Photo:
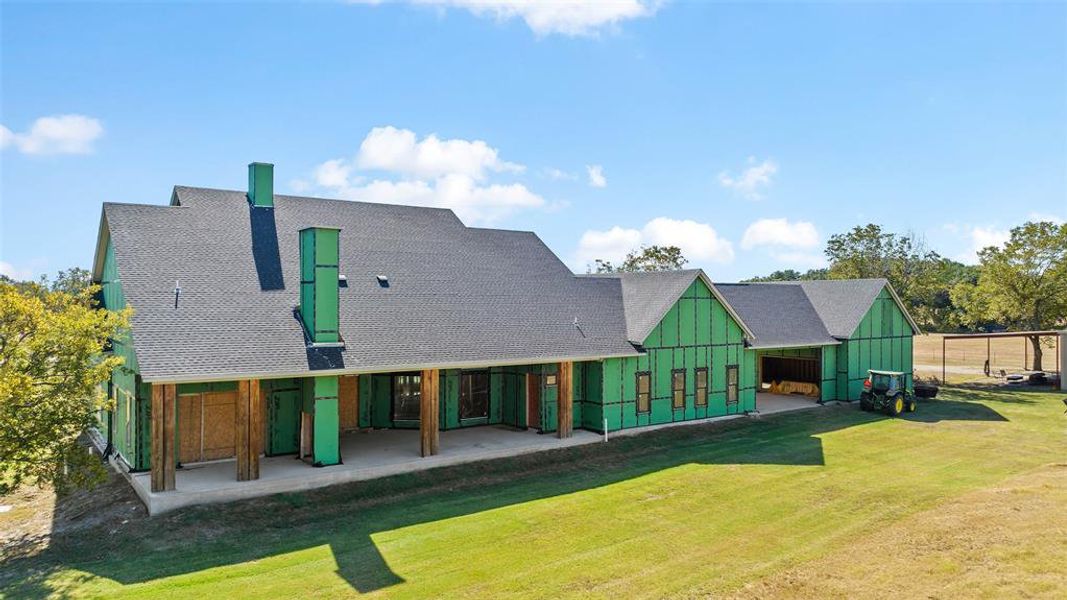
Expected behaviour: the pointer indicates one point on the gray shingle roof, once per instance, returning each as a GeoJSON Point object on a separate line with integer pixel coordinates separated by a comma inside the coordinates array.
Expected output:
{"type": "Point", "coordinates": [779, 315]}
{"type": "Point", "coordinates": [841, 303]}
{"type": "Point", "coordinates": [647, 296]}
{"type": "Point", "coordinates": [805, 313]}
{"type": "Point", "coordinates": [457, 295]}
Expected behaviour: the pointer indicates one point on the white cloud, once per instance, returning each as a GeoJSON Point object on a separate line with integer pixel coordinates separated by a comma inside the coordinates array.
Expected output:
{"type": "Point", "coordinates": [752, 179]}
{"type": "Point", "coordinates": [559, 174]}
{"type": "Point", "coordinates": [780, 232]}
{"type": "Point", "coordinates": [596, 176]}
{"type": "Point", "coordinates": [399, 151]}
{"type": "Point", "coordinates": [544, 17]}
{"type": "Point", "coordinates": [60, 134]}
{"type": "Point", "coordinates": [10, 270]}
{"type": "Point", "coordinates": [332, 173]}
{"type": "Point", "coordinates": [699, 242]}
{"type": "Point", "coordinates": [983, 237]}
{"type": "Point", "coordinates": [972, 238]}
{"type": "Point", "coordinates": [451, 173]}
{"type": "Point", "coordinates": [611, 245]}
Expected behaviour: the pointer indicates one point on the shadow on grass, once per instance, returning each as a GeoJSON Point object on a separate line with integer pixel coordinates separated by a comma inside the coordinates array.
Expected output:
{"type": "Point", "coordinates": [344, 518]}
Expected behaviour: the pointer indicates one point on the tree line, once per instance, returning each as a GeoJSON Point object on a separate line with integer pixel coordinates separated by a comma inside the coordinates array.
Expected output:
{"type": "Point", "coordinates": [1021, 286]}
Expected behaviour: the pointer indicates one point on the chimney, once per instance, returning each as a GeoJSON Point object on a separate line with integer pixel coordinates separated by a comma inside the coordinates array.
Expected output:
{"type": "Point", "coordinates": [319, 288]}
{"type": "Point", "coordinates": [261, 184]}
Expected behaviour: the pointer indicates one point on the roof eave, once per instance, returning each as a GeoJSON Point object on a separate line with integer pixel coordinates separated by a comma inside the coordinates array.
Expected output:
{"type": "Point", "coordinates": [210, 377]}
{"type": "Point", "coordinates": [801, 345]}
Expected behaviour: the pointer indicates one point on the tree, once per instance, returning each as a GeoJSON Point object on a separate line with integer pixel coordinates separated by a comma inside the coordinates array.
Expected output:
{"type": "Point", "coordinates": [648, 258]}
{"type": "Point", "coordinates": [869, 252]}
{"type": "Point", "coordinates": [51, 366]}
{"type": "Point", "coordinates": [72, 280]}
{"type": "Point", "coordinates": [1022, 285]}
{"type": "Point", "coordinates": [792, 275]}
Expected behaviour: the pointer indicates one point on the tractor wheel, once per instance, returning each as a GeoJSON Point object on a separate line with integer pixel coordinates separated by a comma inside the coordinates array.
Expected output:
{"type": "Point", "coordinates": [894, 406]}
{"type": "Point", "coordinates": [912, 405]}
{"type": "Point", "coordinates": [865, 402]}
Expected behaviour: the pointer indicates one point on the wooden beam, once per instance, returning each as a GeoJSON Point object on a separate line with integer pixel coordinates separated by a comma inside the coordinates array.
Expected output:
{"type": "Point", "coordinates": [565, 394]}
{"type": "Point", "coordinates": [162, 430]}
{"type": "Point", "coordinates": [156, 433]}
{"type": "Point", "coordinates": [430, 437]}
{"type": "Point", "coordinates": [241, 430]}
{"type": "Point", "coordinates": [255, 427]}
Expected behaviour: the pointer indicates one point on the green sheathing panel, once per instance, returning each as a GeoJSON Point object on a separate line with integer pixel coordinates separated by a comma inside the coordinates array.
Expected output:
{"type": "Point", "coordinates": [549, 397]}
{"type": "Point", "coordinates": [128, 431]}
{"type": "Point", "coordinates": [283, 397]}
{"type": "Point", "coordinates": [593, 390]}
{"type": "Point", "coordinates": [320, 399]}
{"type": "Point", "coordinates": [696, 332]}
{"type": "Point", "coordinates": [261, 184]}
{"type": "Point", "coordinates": [883, 340]}
{"type": "Point", "coordinates": [319, 287]}
{"type": "Point", "coordinates": [828, 384]}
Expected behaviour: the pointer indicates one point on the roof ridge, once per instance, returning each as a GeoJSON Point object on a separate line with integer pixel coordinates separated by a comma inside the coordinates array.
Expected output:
{"type": "Point", "coordinates": [318, 198]}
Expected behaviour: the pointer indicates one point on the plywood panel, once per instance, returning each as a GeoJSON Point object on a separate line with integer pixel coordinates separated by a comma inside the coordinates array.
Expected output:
{"type": "Point", "coordinates": [220, 418]}
{"type": "Point", "coordinates": [189, 428]}
{"type": "Point", "coordinates": [349, 402]}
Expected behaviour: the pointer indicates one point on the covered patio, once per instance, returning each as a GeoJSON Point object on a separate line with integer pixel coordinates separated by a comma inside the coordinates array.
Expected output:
{"type": "Point", "coordinates": [364, 455]}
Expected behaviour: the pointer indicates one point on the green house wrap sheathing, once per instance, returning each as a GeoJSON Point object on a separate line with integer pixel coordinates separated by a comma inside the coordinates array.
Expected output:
{"type": "Point", "coordinates": [882, 340]}
{"type": "Point", "coordinates": [697, 332]}
{"type": "Point", "coordinates": [321, 401]}
{"type": "Point", "coordinates": [284, 399]}
{"type": "Point", "coordinates": [126, 427]}
{"type": "Point", "coordinates": [319, 285]}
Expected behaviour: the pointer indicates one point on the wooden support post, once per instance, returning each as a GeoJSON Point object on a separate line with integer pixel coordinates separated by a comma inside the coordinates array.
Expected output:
{"type": "Point", "coordinates": [565, 394]}
{"type": "Point", "coordinates": [430, 437]}
{"type": "Point", "coordinates": [255, 427]}
{"type": "Point", "coordinates": [249, 429]}
{"type": "Point", "coordinates": [162, 430]}
{"type": "Point", "coordinates": [943, 346]}
{"type": "Point", "coordinates": [241, 430]}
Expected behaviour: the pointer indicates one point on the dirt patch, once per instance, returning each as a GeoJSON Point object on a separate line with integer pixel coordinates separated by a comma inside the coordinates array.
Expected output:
{"type": "Point", "coordinates": [1009, 541]}
{"type": "Point", "coordinates": [36, 514]}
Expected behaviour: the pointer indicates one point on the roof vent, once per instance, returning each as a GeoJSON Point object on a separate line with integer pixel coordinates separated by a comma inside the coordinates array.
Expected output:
{"type": "Point", "coordinates": [383, 281]}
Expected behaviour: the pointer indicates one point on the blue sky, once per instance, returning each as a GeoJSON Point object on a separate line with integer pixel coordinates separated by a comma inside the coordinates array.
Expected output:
{"type": "Point", "coordinates": [746, 134]}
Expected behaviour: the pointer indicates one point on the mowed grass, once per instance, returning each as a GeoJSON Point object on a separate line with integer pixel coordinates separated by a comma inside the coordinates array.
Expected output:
{"type": "Point", "coordinates": [827, 502]}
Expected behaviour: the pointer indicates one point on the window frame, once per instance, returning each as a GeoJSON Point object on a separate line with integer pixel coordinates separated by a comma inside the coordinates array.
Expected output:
{"type": "Point", "coordinates": [674, 390]}
{"type": "Point", "coordinates": [465, 378]}
{"type": "Point", "coordinates": [647, 393]}
{"type": "Point", "coordinates": [734, 387]}
{"type": "Point", "coordinates": [395, 383]}
{"type": "Point", "coordinates": [700, 392]}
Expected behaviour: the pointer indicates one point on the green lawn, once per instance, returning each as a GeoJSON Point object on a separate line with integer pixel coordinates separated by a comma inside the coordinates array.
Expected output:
{"type": "Point", "coordinates": [688, 511]}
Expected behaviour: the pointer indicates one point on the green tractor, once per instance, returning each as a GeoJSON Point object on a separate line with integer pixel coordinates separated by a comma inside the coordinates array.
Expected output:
{"type": "Point", "coordinates": [885, 391]}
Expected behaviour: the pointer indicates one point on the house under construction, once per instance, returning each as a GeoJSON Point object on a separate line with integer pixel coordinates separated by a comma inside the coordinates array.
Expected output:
{"type": "Point", "coordinates": [271, 326]}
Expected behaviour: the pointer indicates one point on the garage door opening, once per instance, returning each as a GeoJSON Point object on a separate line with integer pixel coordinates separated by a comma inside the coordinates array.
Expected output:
{"type": "Point", "coordinates": [787, 382]}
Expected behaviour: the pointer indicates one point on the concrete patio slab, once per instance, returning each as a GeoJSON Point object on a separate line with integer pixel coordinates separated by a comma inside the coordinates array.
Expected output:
{"type": "Point", "coordinates": [381, 453]}
{"type": "Point", "coordinates": [365, 455]}
{"type": "Point", "coordinates": [767, 404]}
